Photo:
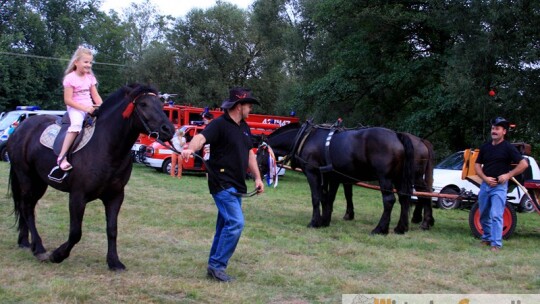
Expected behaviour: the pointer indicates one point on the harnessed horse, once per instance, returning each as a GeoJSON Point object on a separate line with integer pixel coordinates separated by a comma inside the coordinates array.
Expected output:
{"type": "Point", "coordinates": [101, 169]}
{"type": "Point", "coordinates": [286, 139]}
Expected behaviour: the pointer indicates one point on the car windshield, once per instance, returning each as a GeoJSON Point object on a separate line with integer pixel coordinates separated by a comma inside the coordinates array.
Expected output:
{"type": "Point", "coordinates": [452, 162]}
{"type": "Point", "coordinates": [8, 119]}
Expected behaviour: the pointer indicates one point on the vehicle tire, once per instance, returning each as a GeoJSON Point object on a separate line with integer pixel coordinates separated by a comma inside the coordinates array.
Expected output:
{"type": "Point", "coordinates": [526, 205]}
{"type": "Point", "coordinates": [166, 166]}
{"type": "Point", "coordinates": [4, 154]}
{"type": "Point", "coordinates": [447, 203]}
{"type": "Point", "coordinates": [509, 221]}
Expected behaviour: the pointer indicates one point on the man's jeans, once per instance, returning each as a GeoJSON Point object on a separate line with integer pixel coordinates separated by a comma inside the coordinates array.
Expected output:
{"type": "Point", "coordinates": [492, 201]}
{"type": "Point", "coordinates": [229, 226]}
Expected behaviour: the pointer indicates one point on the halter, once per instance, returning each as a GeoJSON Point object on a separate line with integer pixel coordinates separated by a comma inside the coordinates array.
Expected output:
{"type": "Point", "coordinates": [273, 169]}
{"type": "Point", "coordinates": [131, 107]}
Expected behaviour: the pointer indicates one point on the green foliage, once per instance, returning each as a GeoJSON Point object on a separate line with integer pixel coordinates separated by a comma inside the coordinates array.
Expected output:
{"type": "Point", "coordinates": [425, 67]}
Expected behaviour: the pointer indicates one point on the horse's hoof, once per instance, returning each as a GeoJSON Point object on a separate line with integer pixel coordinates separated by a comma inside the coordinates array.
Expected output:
{"type": "Point", "coordinates": [400, 230]}
{"type": "Point", "coordinates": [44, 257]}
{"type": "Point", "coordinates": [348, 217]}
{"type": "Point", "coordinates": [416, 220]}
{"type": "Point", "coordinates": [24, 246]}
{"type": "Point", "coordinates": [117, 266]}
{"type": "Point", "coordinates": [118, 269]}
{"type": "Point", "coordinates": [378, 231]}
{"type": "Point", "coordinates": [424, 226]}
{"type": "Point", "coordinates": [313, 225]}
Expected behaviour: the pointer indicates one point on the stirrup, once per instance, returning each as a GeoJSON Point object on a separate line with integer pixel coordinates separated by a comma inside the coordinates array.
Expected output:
{"type": "Point", "coordinates": [56, 179]}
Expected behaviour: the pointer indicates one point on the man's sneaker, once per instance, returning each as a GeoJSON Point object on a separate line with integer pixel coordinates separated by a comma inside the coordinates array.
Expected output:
{"type": "Point", "coordinates": [495, 249]}
{"type": "Point", "coordinates": [485, 243]}
{"type": "Point", "coordinates": [218, 275]}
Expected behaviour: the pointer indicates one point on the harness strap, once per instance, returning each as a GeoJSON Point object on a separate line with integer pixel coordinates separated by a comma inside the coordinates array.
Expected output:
{"type": "Point", "coordinates": [327, 157]}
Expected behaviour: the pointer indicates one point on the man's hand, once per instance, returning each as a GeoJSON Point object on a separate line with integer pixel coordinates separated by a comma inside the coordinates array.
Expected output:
{"type": "Point", "coordinates": [491, 181]}
{"type": "Point", "coordinates": [259, 185]}
{"type": "Point", "coordinates": [186, 154]}
{"type": "Point", "coordinates": [503, 178]}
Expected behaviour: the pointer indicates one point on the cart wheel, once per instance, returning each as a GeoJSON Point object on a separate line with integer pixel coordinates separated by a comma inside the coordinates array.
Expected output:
{"type": "Point", "coordinates": [448, 203]}
{"type": "Point", "coordinates": [526, 204]}
{"type": "Point", "coordinates": [509, 221]}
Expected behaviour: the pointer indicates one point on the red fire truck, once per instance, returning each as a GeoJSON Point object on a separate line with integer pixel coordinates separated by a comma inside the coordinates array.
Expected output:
{"type": "Point", "coordinates": [189, 118]}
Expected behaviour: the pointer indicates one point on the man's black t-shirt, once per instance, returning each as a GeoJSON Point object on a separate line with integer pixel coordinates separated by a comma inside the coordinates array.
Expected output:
{"type": "Point", "coordinates": [229, 157]}
{"type": "Point", "coordinates": [497, 159]}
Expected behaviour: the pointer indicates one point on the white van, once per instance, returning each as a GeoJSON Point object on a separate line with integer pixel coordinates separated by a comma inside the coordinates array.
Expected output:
{"type": "Point", "coordinates": [10, 120]}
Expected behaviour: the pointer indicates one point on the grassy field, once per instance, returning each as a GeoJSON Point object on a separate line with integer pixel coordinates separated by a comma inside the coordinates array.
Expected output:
{"type": "Point", "coordinates": [166, 226]}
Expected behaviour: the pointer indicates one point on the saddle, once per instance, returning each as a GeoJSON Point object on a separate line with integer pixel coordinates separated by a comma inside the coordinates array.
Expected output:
{"type": "Point", "coordinates": [53, 138]}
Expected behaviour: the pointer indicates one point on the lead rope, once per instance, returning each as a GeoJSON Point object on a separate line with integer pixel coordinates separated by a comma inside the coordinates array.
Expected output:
{"type": "Point", "coordinates": [209, 170]}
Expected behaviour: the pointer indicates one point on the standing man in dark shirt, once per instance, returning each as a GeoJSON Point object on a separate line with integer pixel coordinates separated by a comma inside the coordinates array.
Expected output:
{"type": "Point", "coordinates": [493, 165]}
{"type": "Point", "coordinates": [230, 139]}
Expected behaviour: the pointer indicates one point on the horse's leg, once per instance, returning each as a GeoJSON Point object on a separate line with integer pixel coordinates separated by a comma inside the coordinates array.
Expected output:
{"type": "Point", "coordinates": [77, 207]}
{"type": "Point", "coordinates": [112, 208]}
{"type": "Point", "coordinates": [316, 194]}
{"type": "Point", "coordinates": [403, 223]}
{"type": "Point", "coordinates": [417, 213]}
{"type": "Point", "coordinates": [428, 221]}
{"type": "Point", "coordinates": [423, 204]}
{"type": "Point", "coordinates": [328, 202]}
{"type": "Point", "coordinates": [349, 214]}
{"type": "Point", "coordinates": [388, 203]}
{"type": "Point", "coordinates": [26, 193]}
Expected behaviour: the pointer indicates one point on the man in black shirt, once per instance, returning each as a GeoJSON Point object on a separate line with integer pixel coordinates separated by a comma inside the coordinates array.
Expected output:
{"type": "Point", "coordinates": [493, 165]}
{"type": "Point", "coordinates": [230, 139]}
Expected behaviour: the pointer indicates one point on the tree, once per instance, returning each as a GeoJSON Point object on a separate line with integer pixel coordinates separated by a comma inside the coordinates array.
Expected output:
{"type": "Point", "coordinates": [216, 50]}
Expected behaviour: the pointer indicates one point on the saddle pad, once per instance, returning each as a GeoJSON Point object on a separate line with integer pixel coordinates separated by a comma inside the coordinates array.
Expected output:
{"type": "Point", "coordinates": [49, 135]}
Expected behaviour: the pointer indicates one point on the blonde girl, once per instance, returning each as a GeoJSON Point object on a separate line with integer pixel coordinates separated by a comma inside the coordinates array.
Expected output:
{"type": "Point", "coordinates": [178, 143]}
{"type": "Point", "coordinates": [80, 96]}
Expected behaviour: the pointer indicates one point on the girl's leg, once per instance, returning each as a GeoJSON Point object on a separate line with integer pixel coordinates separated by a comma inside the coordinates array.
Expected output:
{"type": "Point", "coordinates": [180, 160]}
{"type": "Point", "coordinates": [68, 141]}
{"type": "Point", "coordinates": [174, 162]}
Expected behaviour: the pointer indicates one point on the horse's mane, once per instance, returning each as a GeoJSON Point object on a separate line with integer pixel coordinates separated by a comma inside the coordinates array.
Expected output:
{"type": "Point", "coordinates": [285, 128]}
{"type": "Point", "coordinates": [124, 95]}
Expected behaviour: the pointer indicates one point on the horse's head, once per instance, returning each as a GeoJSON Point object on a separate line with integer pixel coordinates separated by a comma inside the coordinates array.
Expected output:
{"type": "Point", "coordinates": [146, 106]}
{"type": "Point", "coordinates": [263, 154]}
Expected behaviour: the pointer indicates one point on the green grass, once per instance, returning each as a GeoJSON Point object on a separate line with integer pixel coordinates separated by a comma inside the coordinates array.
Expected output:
{"type": "Point", "coordinates": [166, 226]}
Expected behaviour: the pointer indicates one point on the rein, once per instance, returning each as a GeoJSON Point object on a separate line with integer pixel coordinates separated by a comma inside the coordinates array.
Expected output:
{"type": "Point", "coordinates": [209, 170]}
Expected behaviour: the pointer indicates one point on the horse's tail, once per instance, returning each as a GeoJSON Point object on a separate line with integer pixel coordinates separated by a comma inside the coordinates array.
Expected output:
{"type": "Point", "coordinates": [428, 174]}
{"type": "Point", "coordinates": [409, 166]}
{"type": "Point", "coordinates": [15, 187]}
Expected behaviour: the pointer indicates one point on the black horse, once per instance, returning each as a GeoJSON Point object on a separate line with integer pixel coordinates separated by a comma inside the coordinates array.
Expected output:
{"type": "Point", "coordinates": [101, 169]}
{"type": "Point", "coordinates": [281, 142]}
{"type": "Point", "coordinates": [329, 157]}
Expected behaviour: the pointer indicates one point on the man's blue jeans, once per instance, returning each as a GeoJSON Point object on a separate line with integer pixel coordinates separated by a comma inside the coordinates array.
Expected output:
{"type": "Point", "coordinates": [229, 226]}
{"type": "Point", "coordinates": [492, 201]}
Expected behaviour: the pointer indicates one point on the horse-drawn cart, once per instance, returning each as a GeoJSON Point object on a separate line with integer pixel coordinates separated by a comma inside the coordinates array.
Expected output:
{"type": "Point", "coordinates": [530, 187]}
{"type": "Point", "coordinates": [291, 139]}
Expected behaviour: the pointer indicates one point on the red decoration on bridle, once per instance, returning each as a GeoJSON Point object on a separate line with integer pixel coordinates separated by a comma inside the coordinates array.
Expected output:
{"type": "Point", "coordinates": [129, 109]}
{"type": "Point", "coordinates": [131, 106]}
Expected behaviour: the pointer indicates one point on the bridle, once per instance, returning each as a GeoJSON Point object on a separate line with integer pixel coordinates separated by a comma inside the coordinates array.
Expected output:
{"type": "Point", "coordinates": [151, 134]}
